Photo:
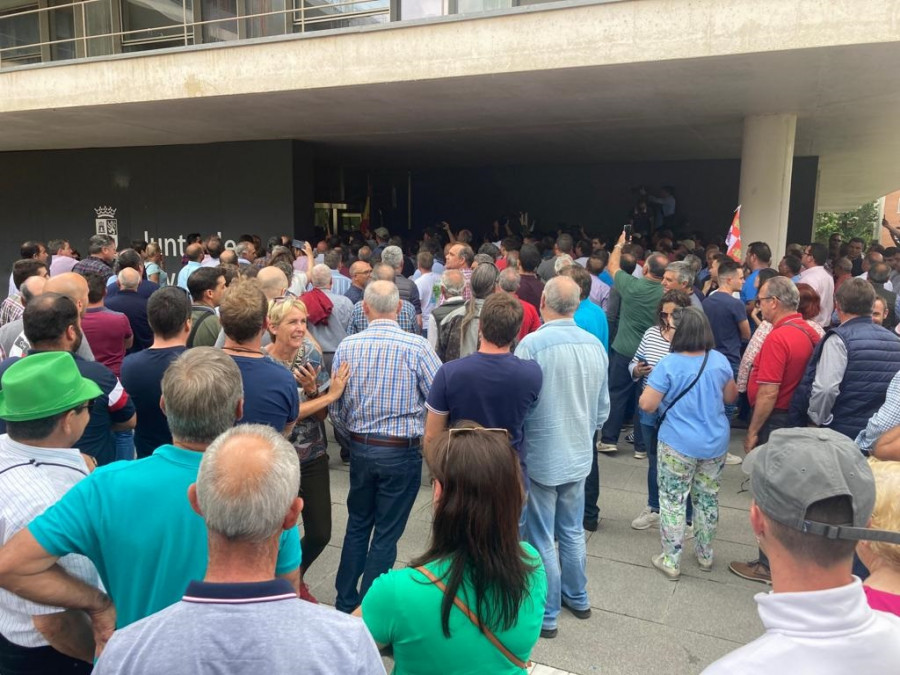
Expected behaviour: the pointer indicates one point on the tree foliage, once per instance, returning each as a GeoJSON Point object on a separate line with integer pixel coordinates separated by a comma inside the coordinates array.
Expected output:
{"type": "Point", "coordinates": [862, 222]}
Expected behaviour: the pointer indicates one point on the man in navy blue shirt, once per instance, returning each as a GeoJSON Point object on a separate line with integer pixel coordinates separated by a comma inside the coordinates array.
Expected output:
{"type": "Point", "coordinates": [168, 312]}
{"type": "Point", "coordinates": [492, 386]}
{"type": "Point", "coordinates": [727, 315]}
{"type": "Point", "coordinates": [270, 391]}
{"type": "Point", "coordinates": [52, 324]}
{"type": "Point", "coordinates": [133, 305]}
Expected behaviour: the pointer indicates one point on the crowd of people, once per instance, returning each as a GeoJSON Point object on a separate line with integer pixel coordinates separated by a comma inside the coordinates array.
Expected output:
{"type": "Point", "coordinates": [165, 475]}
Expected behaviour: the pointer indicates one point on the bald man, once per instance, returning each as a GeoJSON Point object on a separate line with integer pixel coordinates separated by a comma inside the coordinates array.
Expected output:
{"type": "Point", "coordinates": [132, 304]}
{"type": "Point", "coordinates": [273, 282]}
{"type": "Point", "coordinates": [73, 286]}
{"type": "Point", "coordinates": [194, 255]}
{"type": "Point", "coordinates": [238, 466]}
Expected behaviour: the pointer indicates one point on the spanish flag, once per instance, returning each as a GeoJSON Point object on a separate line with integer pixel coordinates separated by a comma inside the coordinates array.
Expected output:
{"type": "Point", "coordinates": [733, 240]}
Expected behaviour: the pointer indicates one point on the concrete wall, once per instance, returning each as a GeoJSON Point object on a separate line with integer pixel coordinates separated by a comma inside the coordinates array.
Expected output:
{"type": "Point", "coordinates": [161, 193]}
{"type": "Point", "coordinates": [597, 196]}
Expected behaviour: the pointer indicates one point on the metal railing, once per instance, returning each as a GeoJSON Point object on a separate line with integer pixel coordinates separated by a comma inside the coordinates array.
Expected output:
{"type": "Point", "coordinates": [101, 27]}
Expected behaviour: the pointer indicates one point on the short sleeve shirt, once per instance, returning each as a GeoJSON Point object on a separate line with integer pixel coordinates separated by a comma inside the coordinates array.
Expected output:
{"type": "Point", "coordinates": [404, 610]}
{"type": "Point", "coordinates": [782, 359]}
{"type": "Point", "coordinates": [749, 290]}
{"type": "Point", "coordinates": [696, 425]}
{"type": "Point", "coordinates": [134, 522]}
{"type": "Point", "coordinates": [640, 298]}
{"type": "Point", "coordinates": [725, 314]}
{"type": "Point", "coordinates": [495, 390]}
{"type": "Point", "coordinates": [270, 393]}
{"type": "Point", "coordinates": [106, 332]}
{"type": "Point", "coordinates": [142, 375]}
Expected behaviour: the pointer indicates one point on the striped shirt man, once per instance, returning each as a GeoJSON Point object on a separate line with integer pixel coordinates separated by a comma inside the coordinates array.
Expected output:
{"type": "Point", "coordinates": [31, 479]}
{"type": "Point", "coordinates": [392, 375]}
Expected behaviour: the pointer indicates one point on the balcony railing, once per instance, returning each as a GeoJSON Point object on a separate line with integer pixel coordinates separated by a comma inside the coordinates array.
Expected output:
{"type": "Point", "coordinates": [38, 34]}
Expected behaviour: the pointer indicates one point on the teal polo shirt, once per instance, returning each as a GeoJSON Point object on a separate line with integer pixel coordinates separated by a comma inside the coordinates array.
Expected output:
{"type": "Point", "coordinates": [134, 522]}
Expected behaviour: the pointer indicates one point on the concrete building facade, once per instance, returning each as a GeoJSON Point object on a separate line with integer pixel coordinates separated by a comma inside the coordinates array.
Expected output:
{"type": "Point", "coordinates": [240, 115]}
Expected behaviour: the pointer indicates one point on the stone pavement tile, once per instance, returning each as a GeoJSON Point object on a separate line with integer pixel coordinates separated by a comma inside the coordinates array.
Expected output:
{"type": "Point", "coordinates": [613, 473]}
{"type": "Point", "coordinates": [415, 539]}
{"type": "Point", "coordinates": [324, 568]}
{"type": "Point", "coordinates": [613, 644]}
{"type": "Point", "coordinates": [718, 610]}
{"type": "Point", "coordinates": [340, 485]}
{"type": "Point", "coordinates": [734, 526]}
{"type": "Point", "coordinates": [540, 669]}
{"type": "Point", "coordinates": [627, 589]}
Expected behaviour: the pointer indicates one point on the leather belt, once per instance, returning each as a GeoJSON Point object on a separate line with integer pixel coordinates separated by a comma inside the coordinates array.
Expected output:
{"type": "Point", "coordinates": [385, 441]}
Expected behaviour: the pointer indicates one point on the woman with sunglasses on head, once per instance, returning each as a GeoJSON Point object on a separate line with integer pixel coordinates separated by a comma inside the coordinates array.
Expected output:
{"type": "Point", "coordinates": [654, 345]}
{"type": "Point", "coordinates": [474, 601]}
{"type": "Point", "coordinates": [689, 388]}
{"type": "Point", "coordinates": [294, 349]}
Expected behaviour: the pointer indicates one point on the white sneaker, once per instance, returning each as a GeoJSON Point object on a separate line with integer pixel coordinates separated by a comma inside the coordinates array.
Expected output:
{"type": "Point", "coordinates": [731, 460]}
{"type": "Point", "coordinates": [606, 447]}
{"type": "Point", "coordinates": [640, 455]}
{"type": "Point", "coordinates": [646, 520]}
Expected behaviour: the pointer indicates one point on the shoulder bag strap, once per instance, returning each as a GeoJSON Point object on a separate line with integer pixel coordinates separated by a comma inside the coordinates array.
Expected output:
{"type": "Point", "coordinates": [689, 387]}
{"type": "Point", "coordinates": [515, 660]}
{"type": "Point", "coordinates": [802, 330]}
{"type": "Point", "coordinates": [196, 327]}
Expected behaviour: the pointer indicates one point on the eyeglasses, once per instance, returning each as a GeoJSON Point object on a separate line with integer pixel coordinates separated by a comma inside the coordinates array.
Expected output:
{"type": "Point", "coordinates": [767, 297]}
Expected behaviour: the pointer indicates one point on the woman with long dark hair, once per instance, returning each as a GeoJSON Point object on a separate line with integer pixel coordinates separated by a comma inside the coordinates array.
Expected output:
{"type": "Point", "coordinates": [474, 601]}
{"type": "Point", "coordinates": [690, 388]}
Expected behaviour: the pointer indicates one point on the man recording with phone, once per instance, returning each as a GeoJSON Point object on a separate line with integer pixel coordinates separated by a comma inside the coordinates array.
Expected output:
{"type": "Point", "coordinates": [640, 298]}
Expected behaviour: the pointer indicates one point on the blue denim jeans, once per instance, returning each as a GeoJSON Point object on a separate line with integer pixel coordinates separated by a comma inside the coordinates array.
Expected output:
{"type": "Point", "coordinates": [124, 444]}
{"type": "Point", "coordinates": [384, 483]}
{"type": "Point", "coordinates": [622, 389]}
{"type": "Point", "coordinates": [556, 512]}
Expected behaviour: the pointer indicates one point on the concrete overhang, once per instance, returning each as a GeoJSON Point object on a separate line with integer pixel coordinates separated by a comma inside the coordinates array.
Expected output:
{"type": "Point", "coordinates": [623, 81]}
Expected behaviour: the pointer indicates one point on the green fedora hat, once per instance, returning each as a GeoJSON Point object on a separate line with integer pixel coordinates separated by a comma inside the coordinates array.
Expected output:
{"type": "Point", "coordinates": [43, 385]}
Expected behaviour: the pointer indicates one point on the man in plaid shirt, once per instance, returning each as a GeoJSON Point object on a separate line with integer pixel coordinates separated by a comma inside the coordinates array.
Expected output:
{"type": "Point", "coordinates": [382, 416]}
{"type": "Point", "coordinates": [102, 250]}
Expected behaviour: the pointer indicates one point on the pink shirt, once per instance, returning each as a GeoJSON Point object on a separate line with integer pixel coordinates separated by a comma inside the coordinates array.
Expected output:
{"type": "Point", "coordinates": [883, 601]}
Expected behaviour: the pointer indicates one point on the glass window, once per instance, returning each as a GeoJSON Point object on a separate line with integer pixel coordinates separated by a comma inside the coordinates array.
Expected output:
{"type": "Point", "coordinates": [62, 32]}
{"type": "Point", "coordinates": [19, 35]}
{"type": "Point", "coordinates": [421, 9]}
{"type": "Point", "coordinates": [222, 12]}
{"type": "Point", "coordinates": [155, 20]}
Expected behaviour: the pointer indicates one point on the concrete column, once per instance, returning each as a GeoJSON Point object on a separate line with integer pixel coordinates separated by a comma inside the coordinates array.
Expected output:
{"type": "Point", "coordinates": [767, 159]}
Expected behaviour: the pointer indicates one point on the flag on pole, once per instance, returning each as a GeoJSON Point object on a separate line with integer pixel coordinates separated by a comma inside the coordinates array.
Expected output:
{"type": "Point", "coordinates": [733, 240]}
{"type": "Point", "coordinates": [364, 223]}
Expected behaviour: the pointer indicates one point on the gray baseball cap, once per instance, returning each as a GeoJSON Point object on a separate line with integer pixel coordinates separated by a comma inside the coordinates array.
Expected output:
{"type": "Point", "coordinates": [799, 467]}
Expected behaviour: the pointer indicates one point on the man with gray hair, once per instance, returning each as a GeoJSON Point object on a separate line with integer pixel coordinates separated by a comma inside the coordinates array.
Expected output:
{"type": "Point", "coordinates": [102, 252]}
{"type": "Point", "coordinates": [565, 245]}
{"type": "Point", "coordinates": [133, 522]}
{"type": "Point", "coordinates": [680, 277]}
{"type": "Point", "coordinates": [329, 313]}
{"type": "Point", "coordinates": [558, 448]}
{"type": "Point", "coordinates": [453, 286]}
{"type": "Point", "coordinates": [246, 252]}
{"type": "Point", "coordinates": [133, 304]}
{"type": "Point", "coordinates": [246, 492]}
{"type": "Point", "coordinates": [774, 377]}
{"type": "Point", "coordinates": [381, 415]}
{"type": "Point", "coordinates": [509, 281]}
{"type": "Point", "coordinates": [393, 256]}
{"type": "Point", "coordinates": [406, 318]}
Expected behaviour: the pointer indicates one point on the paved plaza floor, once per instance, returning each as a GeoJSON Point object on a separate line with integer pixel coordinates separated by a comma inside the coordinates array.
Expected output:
{"type": "Point", "coordinates": [642, 622]}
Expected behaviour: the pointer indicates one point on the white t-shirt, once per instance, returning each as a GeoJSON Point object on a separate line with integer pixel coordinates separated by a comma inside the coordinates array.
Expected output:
{"type": "Point", "coordinates": [831, 632]}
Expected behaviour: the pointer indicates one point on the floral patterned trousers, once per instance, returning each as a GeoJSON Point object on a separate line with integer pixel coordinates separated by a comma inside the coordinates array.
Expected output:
{"type": "Point", "coordinates": [679, 476]}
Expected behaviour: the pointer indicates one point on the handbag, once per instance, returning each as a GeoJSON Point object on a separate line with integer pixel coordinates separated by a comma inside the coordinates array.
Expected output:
{"type": "Point", "coordinates": [662, 417]}
{"type": "Point", "coordinates": [515, 660]}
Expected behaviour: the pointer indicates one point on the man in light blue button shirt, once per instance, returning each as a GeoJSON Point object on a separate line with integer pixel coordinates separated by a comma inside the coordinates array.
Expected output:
{"type": "Point", "coordinates": [574, 402]}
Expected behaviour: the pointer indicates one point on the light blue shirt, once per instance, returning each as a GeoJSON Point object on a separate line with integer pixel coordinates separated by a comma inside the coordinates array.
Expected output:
{"type": "Point", "coordinates": [436, 268]}
{"type": "Point", "coordinates": [186, 272]}
{"type": "Point", "coordinates": [574, 401]}
{"type": "Point", "coordinates": [696, 425]}
{"type": "Point", "coordinates": [593, 319]}
{"type": "Point", "coordinates": [339, 283]}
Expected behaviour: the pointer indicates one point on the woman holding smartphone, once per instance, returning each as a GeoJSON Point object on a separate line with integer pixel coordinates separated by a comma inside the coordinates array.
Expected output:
{"type": "Point", "coordinates": [294, 349]}
{"type": "Point", "coordinates": [653, 347]}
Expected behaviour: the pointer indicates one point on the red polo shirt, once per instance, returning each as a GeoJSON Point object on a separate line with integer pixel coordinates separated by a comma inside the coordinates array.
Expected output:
{"type": "Point", "coordinates": [782, 359]}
